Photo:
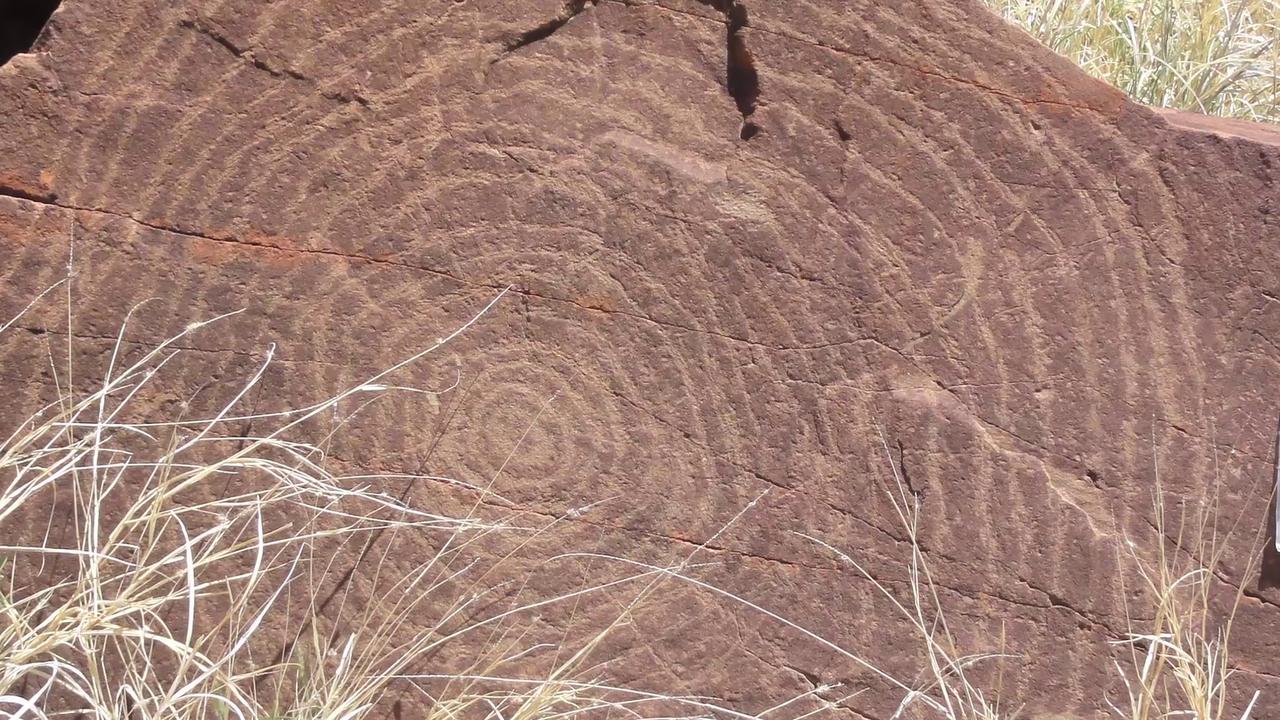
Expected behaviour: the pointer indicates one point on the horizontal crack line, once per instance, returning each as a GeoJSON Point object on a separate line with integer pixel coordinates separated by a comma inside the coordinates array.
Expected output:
{"type": "Point", "coordinates": [356, 257]}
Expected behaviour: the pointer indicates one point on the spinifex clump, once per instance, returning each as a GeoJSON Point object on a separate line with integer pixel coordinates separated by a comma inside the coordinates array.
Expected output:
{"type": "Point", "coordinates": [1220, 57]}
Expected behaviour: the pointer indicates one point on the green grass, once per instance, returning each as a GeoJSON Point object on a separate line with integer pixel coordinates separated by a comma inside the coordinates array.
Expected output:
{"type": "Point", "coordinates": [1219, 57]}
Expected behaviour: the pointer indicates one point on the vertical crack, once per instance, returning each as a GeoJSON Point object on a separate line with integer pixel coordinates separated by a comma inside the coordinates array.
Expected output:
{"type": "Point", "coordinates": [906, 475]}
{"type": "Point", "coordinates": [742, 80]}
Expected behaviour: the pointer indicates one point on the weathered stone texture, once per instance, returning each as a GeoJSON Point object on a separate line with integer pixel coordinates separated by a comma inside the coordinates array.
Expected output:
{"type": "Point", "coordinates": [937, 233]}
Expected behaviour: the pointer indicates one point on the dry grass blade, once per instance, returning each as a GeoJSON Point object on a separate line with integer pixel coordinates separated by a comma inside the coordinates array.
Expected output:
{"type": "Point", "coordinates": [1219, 57]}
{"type": "Point", "coordinates": [152, 603]}
{"type": "Point", "coordinates": [105, 620]}
{"type": "Point", "coordinates": [945, 689]}
{"type": "Point", "coordinates": [1179, 661]}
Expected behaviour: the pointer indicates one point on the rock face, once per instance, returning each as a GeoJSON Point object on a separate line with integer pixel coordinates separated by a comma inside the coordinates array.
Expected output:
{"type": "Point", "coordinates": [754, 246]}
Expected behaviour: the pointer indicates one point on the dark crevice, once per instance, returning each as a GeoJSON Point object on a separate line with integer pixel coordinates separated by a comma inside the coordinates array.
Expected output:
{"type": "Point", "coordinates": [1058, 601]}
{"type": "Point", "coordinates": [572, 9]}
{"type": "Point", "coordinates": [242, 53]}
{"type": "Point", "coordinates": [741, 77]}
{"type": "Point", "coordinates": [906, 476]}
{"type": "Point", "coordinates": [346, 96]}
{"type": "Point", "coordinates": [1269, 565]}
{"type": "Point", "coordinates": [809, 677]}
{"type": "Point", "coordinates": [25, 194]}
{"type": "Point", "coordinates": [842, 133]}
{"type": "Point", "coordinates": [247, 55]}
{"type": "Point", "coordinates": [21, 22]}
{"type": "Point", "coordinates": [742, 80]}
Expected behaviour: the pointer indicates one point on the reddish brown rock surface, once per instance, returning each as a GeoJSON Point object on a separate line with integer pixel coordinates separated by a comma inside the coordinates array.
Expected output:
{"type": "Point", "coordinates": [935, 230]}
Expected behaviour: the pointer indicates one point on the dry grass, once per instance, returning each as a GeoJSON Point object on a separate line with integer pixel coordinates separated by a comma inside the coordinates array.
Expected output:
{"type": "Point", "coordinates": [171, 588]}
{"type": "Point", "coordinates": [1178, 662]}
{"type": "Point", "coordinates": [1219, 57]}
{"type": "Point", "coordinates": [943, 687]}
{"type": "Point", "coordinates": [150, 606]}
{"type": "Point", "coordinates": [1178, 650]}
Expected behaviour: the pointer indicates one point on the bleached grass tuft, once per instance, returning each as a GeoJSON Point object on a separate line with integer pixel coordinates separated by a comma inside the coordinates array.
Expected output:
{"type": "Point", "coordinates": [1219, 57]}
{"type": "Point", "coordinates": [943, 688]}
{"type": "Point", "coordinates": [1179, 663]}
{"type": "Point", "coordinates": [190, 548]}
{"type": "Point", "coordinates": [150, 604]}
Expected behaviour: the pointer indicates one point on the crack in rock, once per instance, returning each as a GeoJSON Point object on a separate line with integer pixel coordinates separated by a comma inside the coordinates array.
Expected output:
{"type": "Point", "coordinates": [742, 80]}
{"type": "Point", "coordinates": [247, 55]}
{"type": "Point", "coordinates": [842, 133]}
{"type": "Point", "coordinates": [20, 193]}
{"type": "Point", "coordinates": [808, 676]}
{"type": "Point", "coordinates": [243, 53]}
{"type": "Point", "coordinates": [571, 9]}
